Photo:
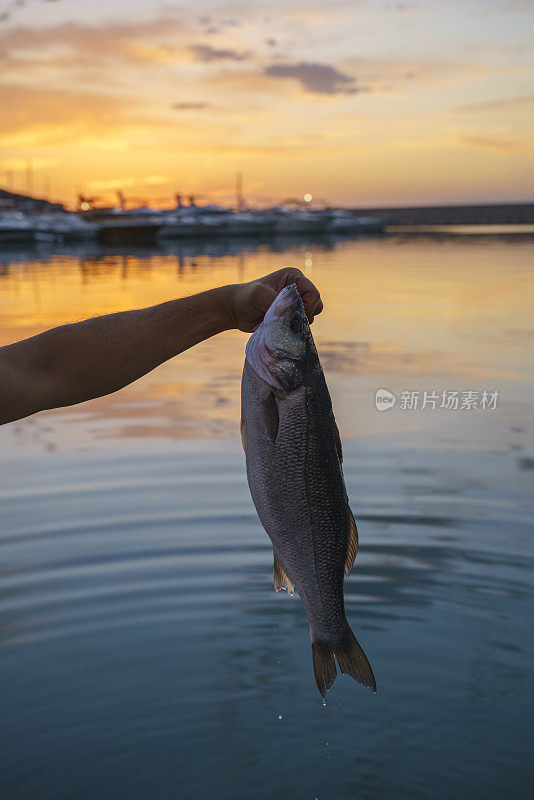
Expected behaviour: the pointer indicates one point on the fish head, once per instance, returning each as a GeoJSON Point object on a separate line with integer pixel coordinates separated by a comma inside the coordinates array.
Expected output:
{"type": "Point", "coordinates": [277, 349]}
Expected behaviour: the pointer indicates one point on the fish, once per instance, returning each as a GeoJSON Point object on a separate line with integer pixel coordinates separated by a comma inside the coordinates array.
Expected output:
{"type": "Point", "coordinates": [294, 470]}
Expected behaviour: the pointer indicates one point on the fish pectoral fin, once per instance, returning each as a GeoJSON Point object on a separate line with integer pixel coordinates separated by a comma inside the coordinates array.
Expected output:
{"type": "Point", "coordinates": [280, 579]}
{"type": "Point", "coordinates": [337, 437]}
{"type": "Point", "coordinates": [352, 544]}
{"type": "Point", "coordinates": [244, 434]}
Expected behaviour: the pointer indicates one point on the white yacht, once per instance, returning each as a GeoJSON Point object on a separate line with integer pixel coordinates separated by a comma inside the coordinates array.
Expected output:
{"type": "Point", "coordinates": [344, 221]}
{"type": "Point", "coordinates": [248, 223]}
{"type": "Point", "coordinates": [289, 221]}
{"type": "Point", "coordinates": [62, 226]}
{"type": "Point", "coordinates": [15, 228]}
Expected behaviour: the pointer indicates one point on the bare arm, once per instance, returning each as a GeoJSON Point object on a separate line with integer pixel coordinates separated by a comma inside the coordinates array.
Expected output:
{"type": "Point", "coordinates": [73, 363]}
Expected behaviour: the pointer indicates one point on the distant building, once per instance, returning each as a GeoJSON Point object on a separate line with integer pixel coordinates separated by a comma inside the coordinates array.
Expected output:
{"type": "Point", "coordinates": [24, 202]}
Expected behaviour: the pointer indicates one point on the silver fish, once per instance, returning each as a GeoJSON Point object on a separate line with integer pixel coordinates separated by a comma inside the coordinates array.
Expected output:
{"type": "Point", "coordinates": [293, 455]}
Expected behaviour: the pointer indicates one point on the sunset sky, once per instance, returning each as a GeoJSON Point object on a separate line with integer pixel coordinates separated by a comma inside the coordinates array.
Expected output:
{"type": "Point", "coordinates": [359, 103]}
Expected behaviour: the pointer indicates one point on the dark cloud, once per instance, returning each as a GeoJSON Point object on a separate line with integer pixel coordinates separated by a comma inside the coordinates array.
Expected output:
{"type": "Point", "coordinates": [212, 26]}
{"type": "Point", "coordinates": [204, 52]}
{"type": "Point", "coordinates": [7, 13]}
{"type": "Point", "coordinates": [190, 106]}
{"type": "Point", "coordinates": [319, 78]}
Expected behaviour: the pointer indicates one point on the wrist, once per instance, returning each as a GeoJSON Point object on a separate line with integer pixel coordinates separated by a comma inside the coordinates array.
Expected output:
{"type": "Point", "coordinates": [226, 305]}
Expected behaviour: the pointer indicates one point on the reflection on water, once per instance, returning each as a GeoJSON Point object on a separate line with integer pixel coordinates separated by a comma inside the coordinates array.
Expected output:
{"type": "Point", "coordinates": [143, 652]}
{"type": "Point", "coordinates": [406, 313]}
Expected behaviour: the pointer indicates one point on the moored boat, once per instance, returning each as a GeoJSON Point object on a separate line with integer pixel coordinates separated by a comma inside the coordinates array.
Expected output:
{"type": "Point", "coordinates": [61, 226]}
{"type": "Point", "coordinates": [15, 228]}
{"type": "Point", "coordinates": [344, 221]}
{"type": "Point", "coordinates": [126, 228]}
{"type": "Point", "coordinates": [289, 221]}
{"type": "Point", "coordinates": [249, 223]}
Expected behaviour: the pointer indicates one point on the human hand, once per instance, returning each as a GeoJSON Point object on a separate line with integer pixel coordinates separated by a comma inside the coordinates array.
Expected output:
{"type": "Point", "coordinates": [250, 301]}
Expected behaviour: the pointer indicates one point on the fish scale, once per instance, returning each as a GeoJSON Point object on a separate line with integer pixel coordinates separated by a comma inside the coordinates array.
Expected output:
{"type": "Point", "coordinates": [294, 470]}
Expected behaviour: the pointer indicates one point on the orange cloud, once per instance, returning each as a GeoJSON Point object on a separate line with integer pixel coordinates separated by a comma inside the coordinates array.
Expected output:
{"type": "Point", "coordinates": [54, 116]}
{"type": "Point", "coordinates": [500, 143]}
{"type": "Point", "coordinates": [524, 103]}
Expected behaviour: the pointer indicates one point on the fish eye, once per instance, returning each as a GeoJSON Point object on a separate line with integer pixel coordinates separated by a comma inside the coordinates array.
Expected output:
{"type": "Point", "coordinates": [296, 324]}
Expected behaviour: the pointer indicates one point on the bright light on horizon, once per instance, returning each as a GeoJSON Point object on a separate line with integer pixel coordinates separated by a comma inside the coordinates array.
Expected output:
{"type": "Point", "coordinates": [308, 198]}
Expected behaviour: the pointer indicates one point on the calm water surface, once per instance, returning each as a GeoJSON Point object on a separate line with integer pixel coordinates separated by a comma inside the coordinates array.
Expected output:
{"type": "Point", "coordinates": [143, 651]}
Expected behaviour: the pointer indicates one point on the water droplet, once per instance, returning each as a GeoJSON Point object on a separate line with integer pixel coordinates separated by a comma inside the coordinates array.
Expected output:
{"type": "Point", "coordinates": [324, 701]}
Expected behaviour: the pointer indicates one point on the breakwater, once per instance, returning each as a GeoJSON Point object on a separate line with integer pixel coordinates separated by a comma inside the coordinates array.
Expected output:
{"type": "Point", "coordinates": [491, 214]}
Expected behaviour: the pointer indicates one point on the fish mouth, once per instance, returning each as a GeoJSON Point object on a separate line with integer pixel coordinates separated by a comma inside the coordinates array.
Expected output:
{"type": "Point", "coordinates": [288, 300]}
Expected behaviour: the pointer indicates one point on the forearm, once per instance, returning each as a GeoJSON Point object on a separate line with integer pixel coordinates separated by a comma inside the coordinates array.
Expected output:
{"type": "Point", "coordinates": [89, 359]}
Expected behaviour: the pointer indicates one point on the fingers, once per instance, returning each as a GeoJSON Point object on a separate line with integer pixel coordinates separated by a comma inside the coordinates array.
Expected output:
{"type": "Point", "coordinates": [311, 298]}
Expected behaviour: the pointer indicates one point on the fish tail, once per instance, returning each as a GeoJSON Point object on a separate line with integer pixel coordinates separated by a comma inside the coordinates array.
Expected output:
{"type": "Point", "coordinates": [324, 666]}
{"type": "Point", "coordinates": [350, 658]}
{"type": "Point", "coordinates": [353, 661]}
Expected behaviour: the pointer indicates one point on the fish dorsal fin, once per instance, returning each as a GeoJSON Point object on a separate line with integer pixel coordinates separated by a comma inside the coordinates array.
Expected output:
{"type": "Point", "coordinates": [244, 434]}
{"type": "Point", "coordinates": [280, 579]}
{"type": "Point", "coordinates": [338, 441]}
{"type": "Point", "coordinates": [352, 545]}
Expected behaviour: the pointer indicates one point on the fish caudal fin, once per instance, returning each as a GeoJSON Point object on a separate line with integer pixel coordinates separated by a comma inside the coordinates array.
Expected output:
{"type": "Point", "coordinates": [350, 658]}
{"type": "Point", "coordinates": [353, 661]}
{"type": "Point", "coordinates": [324, 666]}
